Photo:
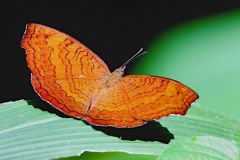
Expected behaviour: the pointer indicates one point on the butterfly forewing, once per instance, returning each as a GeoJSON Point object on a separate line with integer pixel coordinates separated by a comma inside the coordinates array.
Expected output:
{"type": "Point", "coordinates": [51, 53]}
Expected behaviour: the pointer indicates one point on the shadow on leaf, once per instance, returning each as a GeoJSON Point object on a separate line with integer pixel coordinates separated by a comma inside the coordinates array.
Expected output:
{"type": "Point", "coordinates": [152, 131]}
{"type": "Point", "coordinates": [44, 106]}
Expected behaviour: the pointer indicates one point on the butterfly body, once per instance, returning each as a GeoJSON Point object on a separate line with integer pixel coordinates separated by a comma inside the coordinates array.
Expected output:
{"type": "Point", "coordinates": [106, 85]}
{"type": "Point", "coordinates": [74, 80]}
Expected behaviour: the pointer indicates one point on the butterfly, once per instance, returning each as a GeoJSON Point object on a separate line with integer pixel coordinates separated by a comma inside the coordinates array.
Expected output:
{"type": "Point", "coordinates": [74, 80]}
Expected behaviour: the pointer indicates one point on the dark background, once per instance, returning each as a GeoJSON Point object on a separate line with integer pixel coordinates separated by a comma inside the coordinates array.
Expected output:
{"type": "Point", "coordinates": [112, 29]}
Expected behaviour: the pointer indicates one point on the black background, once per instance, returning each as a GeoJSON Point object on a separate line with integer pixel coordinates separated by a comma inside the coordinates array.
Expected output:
{"type": "Point", "coordinates": [112, 29]}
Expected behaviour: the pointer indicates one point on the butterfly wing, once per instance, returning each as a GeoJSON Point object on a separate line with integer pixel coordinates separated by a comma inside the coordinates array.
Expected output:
{"type": "Point", "coordinates": [111, 107]}
{"type": "Point", "coordinates": [64, 72]}
{"type": "Point", "coordinates": [137, 99]}
{"type": "Point", "coordinates": [155, 97]}
{"type": "Point", "coordinates": [53, 54]}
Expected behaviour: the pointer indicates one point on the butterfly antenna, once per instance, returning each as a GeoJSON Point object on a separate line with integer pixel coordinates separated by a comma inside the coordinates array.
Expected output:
{"type": "Point", "coordinates": [135, 56]}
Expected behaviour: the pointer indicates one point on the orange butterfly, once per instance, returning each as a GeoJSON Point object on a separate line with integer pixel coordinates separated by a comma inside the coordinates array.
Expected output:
{"type": "Point", "coordinates": [74, 80]}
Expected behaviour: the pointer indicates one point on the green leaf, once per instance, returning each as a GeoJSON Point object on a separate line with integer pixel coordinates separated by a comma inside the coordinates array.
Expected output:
{"type": "Point", "coordinates": [201, 121]}
{"type": "Point", "coordinates": [202, 147]}
{"type": "Point", "coordinates": [202, 134]}
{"type": "Point", "coordinates": [30, 133]}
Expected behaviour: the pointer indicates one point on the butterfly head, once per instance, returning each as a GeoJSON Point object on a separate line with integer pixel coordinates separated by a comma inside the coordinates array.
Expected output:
{"type": "Point", "coordinates": [119, 71]}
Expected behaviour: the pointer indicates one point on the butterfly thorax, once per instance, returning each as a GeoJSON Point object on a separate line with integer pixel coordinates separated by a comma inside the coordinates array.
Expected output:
{"type": "Point", "coordinates": [113, 78]}
{"type": "Point", "coordinates": [108, 84]}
